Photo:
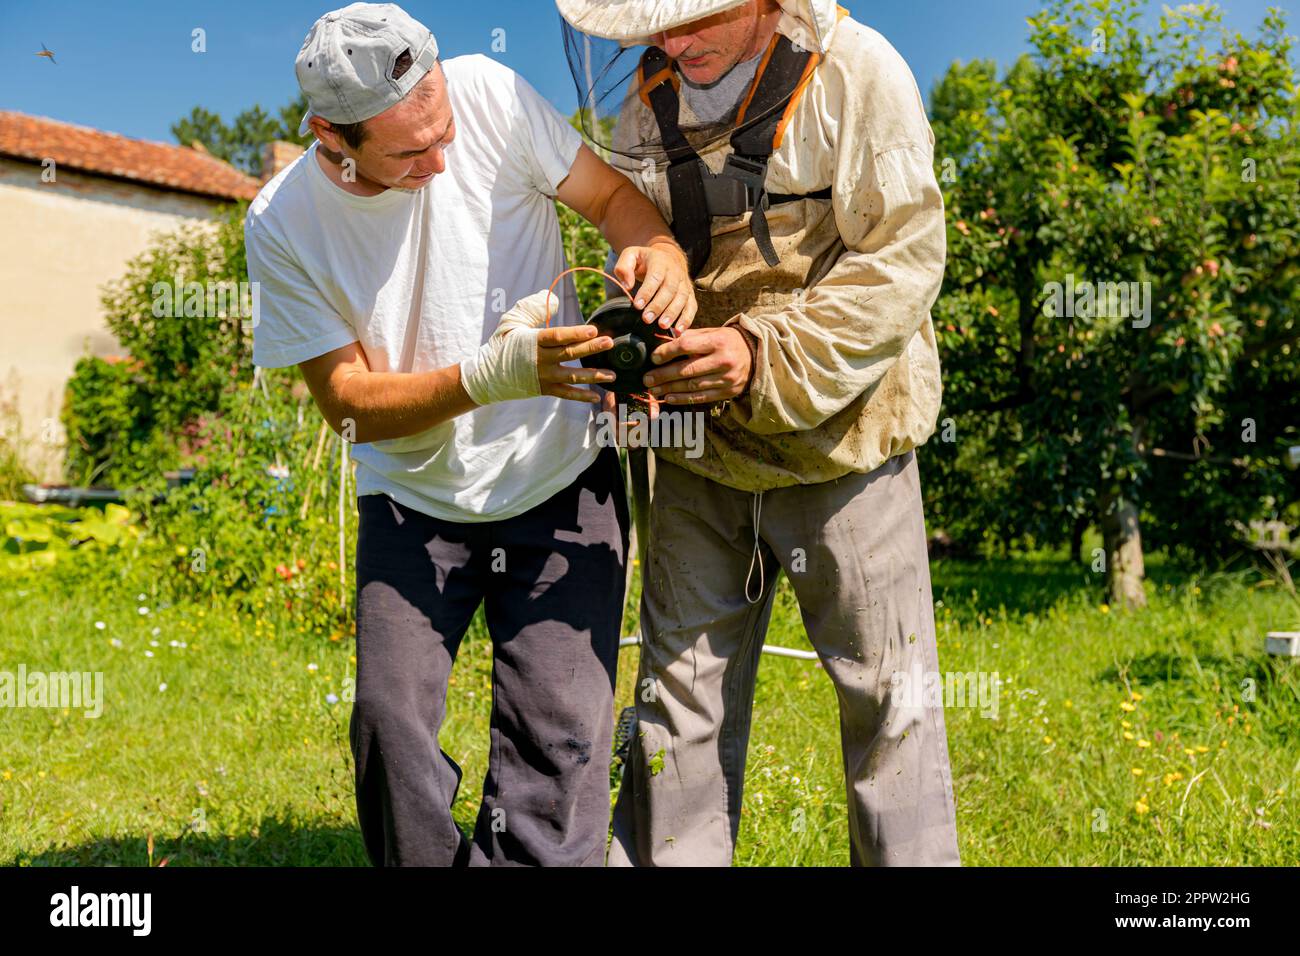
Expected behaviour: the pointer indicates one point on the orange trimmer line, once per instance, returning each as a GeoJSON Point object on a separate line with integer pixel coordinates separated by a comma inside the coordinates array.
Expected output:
{"type": "Point", "coordinates": [653, 402]}
{"type": "Point", "coordinates": [602, 272]}
{"type": "Point", "coordinates": [551, 290]}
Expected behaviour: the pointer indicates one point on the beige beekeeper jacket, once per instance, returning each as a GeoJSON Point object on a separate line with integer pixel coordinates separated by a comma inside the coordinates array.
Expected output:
{"type": "Point", "coordinates": [847, 371]}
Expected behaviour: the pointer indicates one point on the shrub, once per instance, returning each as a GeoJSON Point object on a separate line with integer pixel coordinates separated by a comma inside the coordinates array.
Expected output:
{"type": "Point", "coordinates": [124, 419]}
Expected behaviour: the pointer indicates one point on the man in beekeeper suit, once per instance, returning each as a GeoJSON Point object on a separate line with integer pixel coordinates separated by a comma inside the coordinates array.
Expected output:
{"type": "Point", "coordinates": [788, 146]}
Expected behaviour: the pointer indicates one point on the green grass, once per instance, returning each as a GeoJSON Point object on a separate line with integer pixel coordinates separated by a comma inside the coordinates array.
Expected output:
{"type": "Point", "coordinates": [242, 760]}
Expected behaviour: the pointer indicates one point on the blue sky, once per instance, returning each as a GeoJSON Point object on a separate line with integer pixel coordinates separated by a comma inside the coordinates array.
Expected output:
{"type": "Point", "coordinates": [127, 66]}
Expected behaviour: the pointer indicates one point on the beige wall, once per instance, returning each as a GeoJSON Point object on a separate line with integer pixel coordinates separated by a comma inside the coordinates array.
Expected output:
{"type": "Point", "coordinates": [59, 243]}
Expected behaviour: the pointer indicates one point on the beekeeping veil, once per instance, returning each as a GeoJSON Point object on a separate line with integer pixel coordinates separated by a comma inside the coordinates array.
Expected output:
{"type": "Point", "coordinates": [605, 41]}
{"type": "Point", "coordinates": [612, 54]}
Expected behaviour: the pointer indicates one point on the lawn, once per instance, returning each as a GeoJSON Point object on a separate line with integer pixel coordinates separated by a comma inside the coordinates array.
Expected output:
{"type": "Point", "coordinates": [1161, 738]}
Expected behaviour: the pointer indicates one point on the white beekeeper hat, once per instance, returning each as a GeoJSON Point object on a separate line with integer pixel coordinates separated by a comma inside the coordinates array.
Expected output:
{"type": "Point", "coordinates": [605, 41]}
{"type": "Point", "coordinates": [635, 22]}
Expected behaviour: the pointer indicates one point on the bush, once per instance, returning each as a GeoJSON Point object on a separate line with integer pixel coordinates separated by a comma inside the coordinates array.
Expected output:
{"type": "Point", "coordinates": [108, 418]}
{"type": "Point", "coordinates": [124, 419]}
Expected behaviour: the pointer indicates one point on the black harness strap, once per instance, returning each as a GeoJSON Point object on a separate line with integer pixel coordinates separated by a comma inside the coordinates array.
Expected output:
{"type": "Point", "coordinates": [697, 195]}
{"type": "Point", "coordinates": [753, 145]}
{"type": "Point", "coordinates": [685, 183]}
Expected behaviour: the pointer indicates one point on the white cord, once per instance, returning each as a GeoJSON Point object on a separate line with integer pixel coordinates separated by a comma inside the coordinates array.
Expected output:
{"type": "Point", "coordinates": [756, 509]}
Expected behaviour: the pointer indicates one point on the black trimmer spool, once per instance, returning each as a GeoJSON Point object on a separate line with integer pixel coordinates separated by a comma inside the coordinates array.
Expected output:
{"type": "Point", "coordinates": [634, 341]}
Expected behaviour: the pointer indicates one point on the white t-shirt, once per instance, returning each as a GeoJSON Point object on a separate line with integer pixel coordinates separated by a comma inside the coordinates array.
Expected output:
{"type": "Point", "coordinates": [421, 279]}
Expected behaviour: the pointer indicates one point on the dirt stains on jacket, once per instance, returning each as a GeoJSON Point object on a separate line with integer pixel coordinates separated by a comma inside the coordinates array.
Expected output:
{"type": "Point", "coordinates": [847, 372]}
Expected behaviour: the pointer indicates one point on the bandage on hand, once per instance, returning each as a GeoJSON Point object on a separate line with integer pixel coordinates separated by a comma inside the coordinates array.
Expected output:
{"type": "Point", "coordinates": [505, 366]}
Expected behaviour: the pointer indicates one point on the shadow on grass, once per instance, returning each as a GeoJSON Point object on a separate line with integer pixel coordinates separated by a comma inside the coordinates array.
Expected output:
{"type": "Point", "coordinates": [1202, 671]}
{"type": "Point", "coordinates": [1029, 584]}
{"type": "Point", "coordinates": [1022, 586]}
{"type": "Point", "coordinates": [274, 842]}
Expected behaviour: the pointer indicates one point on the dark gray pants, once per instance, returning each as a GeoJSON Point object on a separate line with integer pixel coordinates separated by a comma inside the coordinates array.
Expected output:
{"type": "Point", "coordinates": [551, 581]}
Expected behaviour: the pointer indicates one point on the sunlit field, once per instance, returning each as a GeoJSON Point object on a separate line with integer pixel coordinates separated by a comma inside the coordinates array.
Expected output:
{"type": "Point", "coordinates": [1161, 737]}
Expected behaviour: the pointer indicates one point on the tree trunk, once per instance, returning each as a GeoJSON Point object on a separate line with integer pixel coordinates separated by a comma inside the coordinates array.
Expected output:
{"type": "Point", "coordinates": [1125, 569]}
{"type": "Point", "coordinates": [1076, 538]}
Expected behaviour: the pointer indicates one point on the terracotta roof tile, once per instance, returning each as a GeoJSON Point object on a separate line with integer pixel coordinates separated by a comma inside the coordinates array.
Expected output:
{"type": "Point", "coordinates": [178, 168]}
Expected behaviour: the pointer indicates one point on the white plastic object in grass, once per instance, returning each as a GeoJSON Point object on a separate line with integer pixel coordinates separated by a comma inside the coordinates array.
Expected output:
{"type": "Point", "coordinates": [1284, 643]}
{"type": "Point", "coordinates": [772, 649]}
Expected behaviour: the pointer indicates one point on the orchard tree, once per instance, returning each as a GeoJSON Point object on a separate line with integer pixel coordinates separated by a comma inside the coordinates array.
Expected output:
{"type": "Point", "coordinates": [1123, 224]}
{"type": "Point", "coordinates": [240, 142]}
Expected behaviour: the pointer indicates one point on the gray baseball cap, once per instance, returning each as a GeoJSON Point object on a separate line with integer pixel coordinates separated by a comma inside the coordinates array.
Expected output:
{"type": "Point", "coordinates": [345, 66]}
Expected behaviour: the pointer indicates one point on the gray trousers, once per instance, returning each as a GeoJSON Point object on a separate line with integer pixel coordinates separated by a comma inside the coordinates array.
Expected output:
{"type": "Point", "coordinates": [854, 550]}
{"type": "Point", "coordinates": [551, 583]}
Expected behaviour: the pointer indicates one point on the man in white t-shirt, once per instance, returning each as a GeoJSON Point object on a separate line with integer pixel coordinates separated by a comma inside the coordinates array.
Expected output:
{"type": "Point", "coordinates": [386, 256]}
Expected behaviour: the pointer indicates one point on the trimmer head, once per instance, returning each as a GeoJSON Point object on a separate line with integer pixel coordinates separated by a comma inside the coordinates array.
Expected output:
{"type": "Point", "coordinates": [634, 340]}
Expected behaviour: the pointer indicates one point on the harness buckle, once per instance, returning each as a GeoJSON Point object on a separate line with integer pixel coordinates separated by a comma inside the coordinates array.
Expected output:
{"type": "Point", "coordinates": [749, 171]}
{"type": "Point", "coordinates": [738, 188]}
{"type": "Point", "coordinates": [726, 195]}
